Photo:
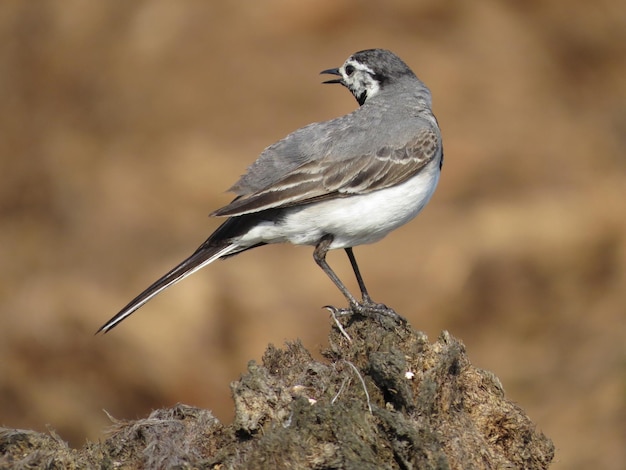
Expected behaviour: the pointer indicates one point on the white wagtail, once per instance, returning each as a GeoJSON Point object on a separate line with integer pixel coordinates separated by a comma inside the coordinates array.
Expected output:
{"type": "Point", "coordinates": [334, 184]}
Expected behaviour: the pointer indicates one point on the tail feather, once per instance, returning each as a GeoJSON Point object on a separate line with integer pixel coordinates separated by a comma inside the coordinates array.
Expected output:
{"type": "Point", "coordinates": [202, 257]}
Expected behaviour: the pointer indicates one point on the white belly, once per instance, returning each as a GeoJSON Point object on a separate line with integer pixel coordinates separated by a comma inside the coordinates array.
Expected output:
{"type": "Point", "coordinates": [353, 220]}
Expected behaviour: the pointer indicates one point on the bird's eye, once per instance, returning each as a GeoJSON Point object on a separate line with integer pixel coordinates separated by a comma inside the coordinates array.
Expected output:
{"type": "Point", "coordinates": [349, 70]}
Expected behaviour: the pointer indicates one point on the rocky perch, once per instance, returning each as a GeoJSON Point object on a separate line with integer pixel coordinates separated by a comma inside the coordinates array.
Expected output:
{"type": "Point", "coordinates": [384, 398]}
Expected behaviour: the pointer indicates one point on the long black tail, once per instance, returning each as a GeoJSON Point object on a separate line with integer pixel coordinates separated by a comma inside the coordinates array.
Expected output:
{"type": "Point", "coordinates": [203, 256]}
{"type": "Point", "coordinates": [221, 243]}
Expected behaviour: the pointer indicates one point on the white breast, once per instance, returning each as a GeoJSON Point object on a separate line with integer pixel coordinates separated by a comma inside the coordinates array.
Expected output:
{"type": "Point", "coordinates": [354, 220]}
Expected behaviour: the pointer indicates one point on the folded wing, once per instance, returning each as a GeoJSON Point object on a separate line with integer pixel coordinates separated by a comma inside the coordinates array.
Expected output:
{"type": "Point", "coordinates": [333, 177]}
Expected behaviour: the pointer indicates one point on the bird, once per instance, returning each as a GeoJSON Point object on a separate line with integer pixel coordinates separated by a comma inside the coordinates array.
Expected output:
{"type": "Point", "coordinates": [335, 184]}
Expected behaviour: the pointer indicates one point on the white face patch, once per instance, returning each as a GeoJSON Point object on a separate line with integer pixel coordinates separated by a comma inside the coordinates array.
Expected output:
{"type": "Point", "coordinates": [359, 79]}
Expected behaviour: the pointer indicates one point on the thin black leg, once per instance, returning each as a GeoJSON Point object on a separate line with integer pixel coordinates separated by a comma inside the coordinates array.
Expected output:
{"type": "Point", "coordinates": [366, 307]}
{"type": "Point", "coordinates": [319, 255]}
{"type": "Point", "coordinates": [355, 267]}
{"type": "Point", "coordinates": [368, 304]}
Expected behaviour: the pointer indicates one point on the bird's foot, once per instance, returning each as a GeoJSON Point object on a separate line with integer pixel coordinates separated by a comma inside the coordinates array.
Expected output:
{"type": "Point", "coordinates": [379, 313]}
{"type": "Point", "coordinates": [366, 308]}
{"type": "Point", "coordinates": [339, 312]}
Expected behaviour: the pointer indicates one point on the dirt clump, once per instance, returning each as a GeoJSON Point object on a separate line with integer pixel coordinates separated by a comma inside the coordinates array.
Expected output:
{"type": "Point", "coordinates": [383, 397]}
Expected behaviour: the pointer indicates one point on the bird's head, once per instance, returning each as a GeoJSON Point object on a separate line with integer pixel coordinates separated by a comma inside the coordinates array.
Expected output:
{"type": "Point", "coordinates": [366, 73]}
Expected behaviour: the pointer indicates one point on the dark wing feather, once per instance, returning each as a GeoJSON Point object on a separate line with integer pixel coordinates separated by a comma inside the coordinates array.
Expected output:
{"type": "Point", "coordinates": [330, 177]}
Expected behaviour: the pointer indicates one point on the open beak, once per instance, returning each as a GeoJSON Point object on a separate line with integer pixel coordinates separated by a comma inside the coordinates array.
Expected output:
{"type": "Point", "coordinates": [332, 72]}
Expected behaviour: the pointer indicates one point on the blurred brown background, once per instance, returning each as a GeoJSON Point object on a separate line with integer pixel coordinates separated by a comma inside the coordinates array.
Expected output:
{"type": "Point", "coordinates": [123, 123]}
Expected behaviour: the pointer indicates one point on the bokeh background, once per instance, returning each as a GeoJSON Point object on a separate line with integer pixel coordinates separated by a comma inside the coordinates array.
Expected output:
{"type": "Point", "coordinates": [123, 123]}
